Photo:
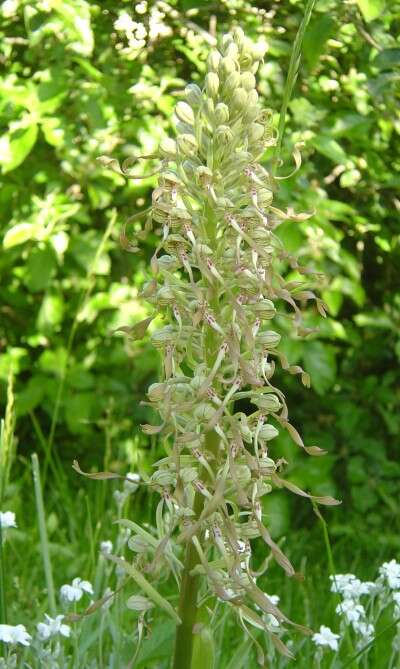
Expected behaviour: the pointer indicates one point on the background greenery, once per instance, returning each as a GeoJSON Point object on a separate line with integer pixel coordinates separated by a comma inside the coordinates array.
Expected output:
{"type": "Point", "coordinates": [73, 87]}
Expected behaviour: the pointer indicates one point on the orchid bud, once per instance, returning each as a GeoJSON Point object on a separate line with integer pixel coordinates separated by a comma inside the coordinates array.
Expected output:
{"type": "Point", "coordinates": [187, 144]}
{"type": "Point", "coordinates": [221, 113]}
{"type": "Point", "coordinates": [163, 337]}
{"type": "Point", "coordinates": [268, 339]}
{"type": "Point", "coordinates": [168, 147]}
{"type": "Point", "coordinates": [193, 95]}
{"type": "Point", "coordinates": [139, 603]}
{"type": "Point", "coordinates": [224, 134]}
{"type": "Point", "coordinates": [184, 112]}
{"type": "Point", "coordinates": [156, 392]}
{"type": "Point", "coordinates": [268, 402]}
{"type": "Point", "coordinates": [247, 81]}
{"type": "Point", "coordinates": [213, 60]}
{"type": "Point", "coordinates": [268, 432]}
{"type": "Point", "coordinates": [212, 85]}
{"type": "Point", "coordinates": [239, 99]}
{"type": "Point", "coordinates": [226, 66]}
{"type": "Point", "coordinates": [138, 544]}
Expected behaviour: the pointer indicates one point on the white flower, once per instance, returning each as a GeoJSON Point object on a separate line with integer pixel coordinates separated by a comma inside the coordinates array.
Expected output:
{"type": "Point", "coordinates": [9, 8]}
{"type": "Point", "coordinates": [74, 592]}
{"type": "Point", "coordinates": [132, 484]}
{"type": "Point", "coordinates": [365, 630]}
{"type": "Point", "coordinates": [52, 627]}
{"type": "Point", "coordinates": [7, 519]}
{"type": "Point", "coordinates": [124, 23]}
{"type": "Point", "coordinates": [325, 637]}
{"type": "Point", "coordinates": [351, 611]}
{"type": "Point", "coordinates": [391, 572]}
{"type": "Point", "coordinates": [14, 634]}
{"type": "Point", "coordinates": [349, 586]}
{"type": "Point", "coordinates": [141, 7]}
{"type": "Point", "coordinates": [106, 547]}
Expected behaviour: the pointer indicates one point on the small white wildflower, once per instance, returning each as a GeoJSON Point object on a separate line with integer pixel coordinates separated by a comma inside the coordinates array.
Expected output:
{"type": "Point", "coordinates": [349, 586]}
{"type": "Point", "coordinates": [364, 630]}
{"type": "Point", "coordinates": [351, 611]}
{"type": "Point", "coordinates": [325, 637]}
{"type": "Point", "coordinates": [141, 7]}
{"type": "Point", "coordinates": [106, 547]}
{"type": "Point", "coordinates": [140, 32]}
{"type": "Point", "coordinates": [124, 23]}
{"type": "Point", "coordinates": [7, 519]}
{"type": "Point", "coordinates": [52, 627]}
{"type": "Point", "coordinates": [132, 484]}
{"type": "Point", "coordinates": [74, 592]}
{"type": "Point", "coordinates": [15, 634]}
{"type": "Point", "coordinates": [390, 571]}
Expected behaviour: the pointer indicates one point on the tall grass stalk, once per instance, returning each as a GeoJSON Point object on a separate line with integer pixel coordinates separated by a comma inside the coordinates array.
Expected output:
{"type": "Point", "coordinates": [294, 65]}
{"type": "Point", "coordinates": [44, 542]}
{"type": "Point", "coordinates": [7, 440]}
{"type": "Point", "coordinates": [90, 280]}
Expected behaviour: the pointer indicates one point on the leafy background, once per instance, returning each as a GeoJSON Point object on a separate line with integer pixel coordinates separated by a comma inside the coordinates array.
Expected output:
{"type": "Point", "coordinates": [72, 88]}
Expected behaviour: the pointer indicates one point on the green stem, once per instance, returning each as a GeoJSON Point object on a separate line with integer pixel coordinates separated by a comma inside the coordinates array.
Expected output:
{"type": "Point", "coordinates": [187, 609]}
{"type": "Point", "coordinates": [44, 542]}
{"type": "Point", "coordinates": [3, 608]}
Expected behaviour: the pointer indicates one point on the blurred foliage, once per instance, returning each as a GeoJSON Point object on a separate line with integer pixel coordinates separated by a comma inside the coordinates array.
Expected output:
{"type": "Point", "coordinates": [81, 79]}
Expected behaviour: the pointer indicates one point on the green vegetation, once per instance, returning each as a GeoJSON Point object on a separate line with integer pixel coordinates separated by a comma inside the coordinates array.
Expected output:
{"type": "Point", "coordinates": [79, 80]}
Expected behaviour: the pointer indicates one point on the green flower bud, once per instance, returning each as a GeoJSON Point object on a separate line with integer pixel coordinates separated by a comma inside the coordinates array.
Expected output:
{"type": "Point", "coordinates": [138, 544]}
{"type": "Point", "coordinates": [204, 412]}
{"type": "Point", "coordinates": [139, 603]}
{"type": "Point", "coordinates": [267, 464]}
{"type": "Point", "coordinates": [265, 309]}
{"type": "Point", "coordinates": [221, 113]}
{"type": "Point", "coordinates": [248, 81]}
{"type": "Point", "coordinates": [238, 35]}
{"type": "Point", "coordinates": [193, 95]}
{"type": "Point", "coordinates": [232, 82]}
{"type": "Point", "coordinates": [252, 98]}
{"type": "Point", "coordinates": [156, 392]}
{"type": "Point", "coordinates": [187, 144]}
{"type": "Point", "coordinates": [213, 60]}
{"type": "Point", "coordinates": [188, 474]}
{"type": "Point", "coordinates": [264, 197]}
{"type": "Point", "coordinates": [165, 296]}
{"type": "Point", "coordinates": [268, 432]}
{"type": "Point", "coordinates": [226, 66]}
{"type": "Point", "coordinates": [239, 99]}
{"type": "Point", "coordinates": [167, 263]}
{"type": "Point", "coordinates": [184, 112]}
{"type": "Point", "coordinates": [268, 402]}
{"type": "Point", "coordinates": [268, 339]}
{"type": "Point", "coordinates": [231, 51]}
{"type": "Point", "coordinates": [212, 84]}
{"type": "Point", "coordinates": [168, 147]}
{"type": "Point", "coordinates": [224, 134]}
{"type": "Point", "coordinates": [164, 337]}
{"type": "Point", "coordinates": [163, 477]}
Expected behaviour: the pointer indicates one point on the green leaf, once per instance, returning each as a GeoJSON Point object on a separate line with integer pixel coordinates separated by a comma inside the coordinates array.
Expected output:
{"type": "Point", "coordinates": [19, 234]}
{"type": "Point", "coordinates": [50, 313]}
{"type": "Point", "coordinates": [387, 59]}
{"type": "Point", "coordinates": [203, 650]}
{"type": "Point", "coordinates": [78, 409]}
{"type": "Point", "coordinates": [39, 268]}
{"type": "Point", "coordinates": [320, 363]}
{"type": "Point", "coordinates": [329, 148]}
{"type": "Point", "coordinates": [150, 591]}
{"type": "Point", "coordinates": [317, 34]}
{"type": "Point", "coordinates": [15, 146]}
{"type": "Point", "coordinates": [371, 9]}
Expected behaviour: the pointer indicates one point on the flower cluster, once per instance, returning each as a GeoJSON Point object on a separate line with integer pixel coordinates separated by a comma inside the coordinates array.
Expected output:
{"type": "Point", "coordinates": [143, 33]}
{"type": "Point", "coordinates": [361, 606]}
{"type": "Point", "coordinates": [217, 282]}
{"type": "Point", "coordinates": [7, 519]}
{"type": "Point", "coordinates": [73, 592]}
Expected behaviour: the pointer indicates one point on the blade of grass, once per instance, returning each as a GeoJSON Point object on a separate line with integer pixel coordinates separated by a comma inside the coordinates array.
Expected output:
{"type": "Point", "coordinates": [3, 607]}
{"type": "Point", "coordinates": [293, 72]}
{"type": "Point", "coordinates": [90, 278]}
{"type": "Point", "coordinates": [7, 437]}
{"type": "Point", "coordinates": [44, 543]}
